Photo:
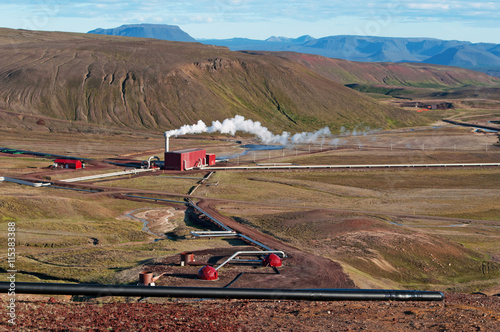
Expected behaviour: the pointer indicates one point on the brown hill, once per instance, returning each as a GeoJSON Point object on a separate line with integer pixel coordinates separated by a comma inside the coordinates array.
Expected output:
{"type": "Point", "coordinates": [392, 74]}
{"type": "Point", "coordinates": [144, 83]}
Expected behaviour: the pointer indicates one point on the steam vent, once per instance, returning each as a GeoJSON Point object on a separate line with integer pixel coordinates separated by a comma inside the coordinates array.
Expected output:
{"type": "Point", "coordinates": [272, 260]}
{"type": "Point", "coordinates": [208, 273]}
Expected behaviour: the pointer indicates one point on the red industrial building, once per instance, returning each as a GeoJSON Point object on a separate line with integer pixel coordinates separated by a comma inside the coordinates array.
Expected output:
{"type": "Point", "coordinates": [68, 163]}
{"type": "Point", "coordinates": [182, 160]}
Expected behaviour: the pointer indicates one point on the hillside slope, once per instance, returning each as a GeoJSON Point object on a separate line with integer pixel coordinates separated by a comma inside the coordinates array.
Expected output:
{"type": "Point", "coordinates": [146, 83]}
{"type": "Point", "coordinates": [391, 74]}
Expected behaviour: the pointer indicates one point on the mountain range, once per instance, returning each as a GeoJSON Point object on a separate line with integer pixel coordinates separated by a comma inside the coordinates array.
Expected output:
{"type": "Point", "coordinates": [483, 57]}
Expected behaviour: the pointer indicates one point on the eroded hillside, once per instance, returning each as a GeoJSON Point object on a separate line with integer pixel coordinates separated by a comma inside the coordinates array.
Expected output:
{"type": "Point", "coordinates": [140, 83]}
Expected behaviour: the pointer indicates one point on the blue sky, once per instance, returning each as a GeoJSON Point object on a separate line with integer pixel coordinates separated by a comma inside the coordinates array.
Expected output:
{"type": "Point", "coordinates": [476, 21]}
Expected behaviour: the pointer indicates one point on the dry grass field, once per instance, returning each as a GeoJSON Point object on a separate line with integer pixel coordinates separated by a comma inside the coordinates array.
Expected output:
{"type": "Point", "coordinates": [68, 236]}
{"type": "Point", "coordinates": [425, 228]}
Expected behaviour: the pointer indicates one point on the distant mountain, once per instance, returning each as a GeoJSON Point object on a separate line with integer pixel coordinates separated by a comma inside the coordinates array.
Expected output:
{"type": "Point", "coordinates": [466, 56]}
{"type": "Point", "coordinates": [481, 56]}
{"type": "Point", "coordinates": [495, 50]}
{"type": "Point", "coordinates": [157, 31]}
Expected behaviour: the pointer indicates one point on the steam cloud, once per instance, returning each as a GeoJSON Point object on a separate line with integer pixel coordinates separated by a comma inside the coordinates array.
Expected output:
{"type": "Point", "coordinates": [238, 123]}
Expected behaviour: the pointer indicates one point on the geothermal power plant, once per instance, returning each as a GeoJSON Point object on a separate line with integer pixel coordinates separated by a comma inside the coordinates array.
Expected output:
{"type": "Point", "coordinates": [186, 159]}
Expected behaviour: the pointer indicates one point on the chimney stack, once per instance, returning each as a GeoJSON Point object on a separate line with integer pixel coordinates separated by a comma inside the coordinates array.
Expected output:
{"type": "Point", "coordinates": [167, 136]}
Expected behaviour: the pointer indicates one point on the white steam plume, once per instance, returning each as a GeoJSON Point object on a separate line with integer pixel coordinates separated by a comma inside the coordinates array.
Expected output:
{"type": "Point", "coordinates": [238, 123]}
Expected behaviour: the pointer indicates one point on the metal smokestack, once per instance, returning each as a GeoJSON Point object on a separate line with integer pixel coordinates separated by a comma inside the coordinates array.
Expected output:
{"type": "Point", "coordinates": [167, 136]}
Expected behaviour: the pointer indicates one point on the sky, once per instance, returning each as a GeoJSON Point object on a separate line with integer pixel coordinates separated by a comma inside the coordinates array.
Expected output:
{"type": "Point", "coordinates": [475, 21]}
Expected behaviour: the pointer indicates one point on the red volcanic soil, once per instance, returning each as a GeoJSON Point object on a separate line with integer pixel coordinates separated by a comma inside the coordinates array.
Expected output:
{"type": "Point", "coordinates": [301, 269]}
{"type": "Point", "coordinates": [457, 312]}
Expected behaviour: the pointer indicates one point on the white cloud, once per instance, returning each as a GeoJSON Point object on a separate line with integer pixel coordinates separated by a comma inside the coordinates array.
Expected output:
{"type": "Point", "coordinates": [429, 6]}
{"type": "Point", "coordinates": [331, 17]}
{"type": "Point", "coordinates": [483, 5]}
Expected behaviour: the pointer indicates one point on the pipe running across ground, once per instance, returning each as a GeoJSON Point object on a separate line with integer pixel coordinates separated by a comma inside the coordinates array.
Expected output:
{"type": "Point", "coordinates": [224, 293]}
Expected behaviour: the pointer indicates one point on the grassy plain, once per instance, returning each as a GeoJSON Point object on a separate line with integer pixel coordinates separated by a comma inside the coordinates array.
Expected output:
{"type": "Point", "coordinates": [160, 182]}
{"type": "Point", "coordinates": [428, 228]}
{"type": "Point", "coordinates": [69, 236]}
{"type": "Point", "coordinates": [459, 192]}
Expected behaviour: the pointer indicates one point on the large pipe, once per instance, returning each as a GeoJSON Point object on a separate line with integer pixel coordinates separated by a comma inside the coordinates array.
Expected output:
{"type": "Point", "coordinates": [150, 158]}
{"type": "Point", "coordinates": [226, 228]}
{"type": "Point", "coordinates": [223, 293]}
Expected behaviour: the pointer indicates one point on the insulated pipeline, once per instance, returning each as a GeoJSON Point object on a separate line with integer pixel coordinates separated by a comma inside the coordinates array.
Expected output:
{"type": "Point", "coordinates": [223, 293]}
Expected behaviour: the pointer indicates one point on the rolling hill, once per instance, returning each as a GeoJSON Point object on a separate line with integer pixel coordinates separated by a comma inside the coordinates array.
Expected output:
{"type": "Point", "coordinates": [159, 85]}
{"type": "Point", "coordinates": [391, 74]}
